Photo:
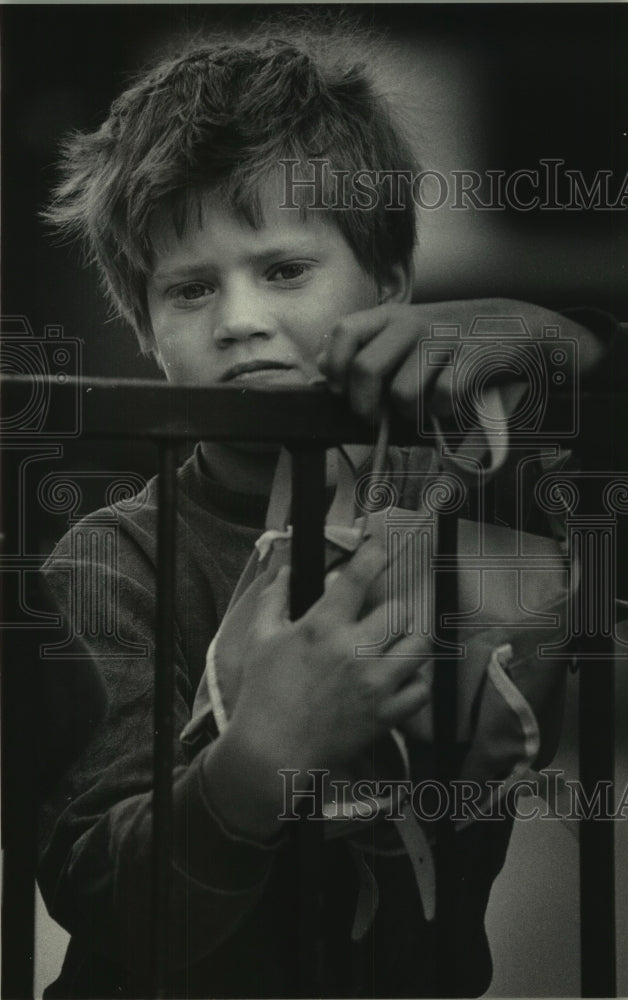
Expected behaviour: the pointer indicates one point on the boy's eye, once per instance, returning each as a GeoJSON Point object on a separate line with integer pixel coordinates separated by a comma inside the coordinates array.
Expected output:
{"type": "Point", "coordinates": [191, 292]}
{"type": "Point", "coordinates": [289, 272]}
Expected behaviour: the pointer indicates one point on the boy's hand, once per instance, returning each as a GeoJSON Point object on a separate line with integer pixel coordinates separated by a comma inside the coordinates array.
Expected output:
{"type": "Point", "coordinates": [374, 356]}
{"type": "Point", "coordinates": [305, 698]}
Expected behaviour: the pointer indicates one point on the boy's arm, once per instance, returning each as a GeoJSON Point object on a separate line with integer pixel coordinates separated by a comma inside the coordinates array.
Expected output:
{"type": "Point", "coordinates": [384, 354]}
{"type": "Point", "coordinates": [305, 701]}
{"type": "Point", "coordinates": [96, 823]}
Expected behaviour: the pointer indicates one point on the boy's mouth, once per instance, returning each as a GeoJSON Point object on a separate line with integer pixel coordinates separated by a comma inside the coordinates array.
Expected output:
{"type": "Point", "coordinates": [250, 368]}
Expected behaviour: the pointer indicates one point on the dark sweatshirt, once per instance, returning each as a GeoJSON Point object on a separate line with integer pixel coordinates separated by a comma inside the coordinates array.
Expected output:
{"type": "Point", "coordinates": [233, 902]}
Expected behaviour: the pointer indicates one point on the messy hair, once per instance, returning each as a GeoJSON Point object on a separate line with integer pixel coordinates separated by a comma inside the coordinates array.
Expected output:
{"type": "Point", "coordinates": [219, 115]}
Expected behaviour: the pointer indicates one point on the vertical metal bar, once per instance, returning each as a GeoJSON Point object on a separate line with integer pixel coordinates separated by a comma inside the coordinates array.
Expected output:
{"type": "Point", "coordinates": [597, 847]}
{"type": "Point", "coordinates": [445, 709]}
{"type": "Point", "coordinates": [20, 651]}
{"type": "Point", "coordinates": [306, 586]}
{"type": "Point", "coordinates": [308, 523]}
{"type": "Point", "coordinates": [19, 825]}
{"type": "Point", "coordinates": [596, 730]}
{"type": "Point", "coordinates": [164, 721]}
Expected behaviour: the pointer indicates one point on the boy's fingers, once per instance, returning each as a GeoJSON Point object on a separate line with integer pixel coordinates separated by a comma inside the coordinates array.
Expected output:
{"type": "Point", "coordinates": [401, 656]}
{"type": "Point", "coordinates": [347, 337]}
{"type": "Point", "coordinates": [404, 703]}
{"type": "Point", "coordinates": [442, 393]}
{"type": "Point", "coordinates": [374, 364]}
{"type": "Point", "coordinates": [415, 380]}
{"type": "Point", "coordinates": [407, 386]}
{"type": "Point", "coordinates": [380, 346]}
{"type": "Point", "coordinates": [345, 596]}
{"type": "Point", "coordinates": [404, 660]}
{"type": "Point", "coordinates": [392, 672]}
{"type": "Point", "coordinates": [384, 622]}
{"type": "Point", "coordinates": [417, 645]}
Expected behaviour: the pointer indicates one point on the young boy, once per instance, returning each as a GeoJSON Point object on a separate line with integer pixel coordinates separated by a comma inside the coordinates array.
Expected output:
{"type": "Point", "coordinates": [182, 199]}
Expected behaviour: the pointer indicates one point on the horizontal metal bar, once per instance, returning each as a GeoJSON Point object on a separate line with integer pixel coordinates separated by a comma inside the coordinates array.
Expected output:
{"type": "Point", "coordinates": [134, 408]}
{"type": "Point", "coordinates": [142, 408]}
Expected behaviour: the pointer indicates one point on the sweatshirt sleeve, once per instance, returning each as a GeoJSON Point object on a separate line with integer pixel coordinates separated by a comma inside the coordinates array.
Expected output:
{"type": "Point", "coordinates": [96, 822]}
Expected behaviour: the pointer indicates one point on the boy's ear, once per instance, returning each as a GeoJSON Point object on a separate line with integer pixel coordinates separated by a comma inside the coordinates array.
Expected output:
{"type": "Point", "coordinates": [399, 284]}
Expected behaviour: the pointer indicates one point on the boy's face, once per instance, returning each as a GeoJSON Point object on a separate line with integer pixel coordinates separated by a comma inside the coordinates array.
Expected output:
{"type": "Point", "coordinates": [241, 306]}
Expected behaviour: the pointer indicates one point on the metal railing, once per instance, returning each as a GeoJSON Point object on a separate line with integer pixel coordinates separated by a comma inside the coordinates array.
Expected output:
{"type": "Point", "coordinates": [307, 422]}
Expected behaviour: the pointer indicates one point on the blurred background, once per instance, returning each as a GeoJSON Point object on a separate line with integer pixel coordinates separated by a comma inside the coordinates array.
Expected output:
{"type": "Point", "coordinates": [482, 88]}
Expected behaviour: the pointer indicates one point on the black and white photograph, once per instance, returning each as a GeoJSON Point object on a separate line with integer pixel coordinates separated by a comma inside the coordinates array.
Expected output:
{"type": "Point", "coordinates": [314, 381]}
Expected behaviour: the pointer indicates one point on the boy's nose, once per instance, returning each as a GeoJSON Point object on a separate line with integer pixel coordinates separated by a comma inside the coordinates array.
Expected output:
{"type": "Point", "coordinates": [240, 316]}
